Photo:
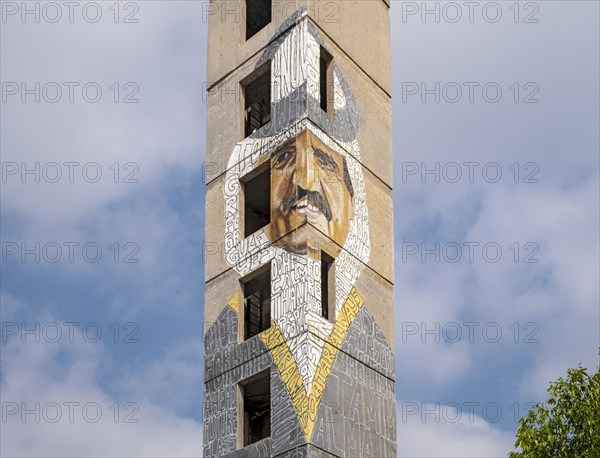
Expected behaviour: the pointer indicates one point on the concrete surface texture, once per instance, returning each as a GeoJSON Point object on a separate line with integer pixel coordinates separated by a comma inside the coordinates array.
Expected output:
{"type": "Point", "coordinates": [324, 326]}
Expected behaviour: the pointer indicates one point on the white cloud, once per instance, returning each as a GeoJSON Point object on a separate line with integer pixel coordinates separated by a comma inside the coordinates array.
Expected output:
{"type": "Point", "coordinates": [164, 54]}
{"type": "Point", "coordinates": [448, 434]}
{"type": "Point", "coordinates": [57, 374]}
{"type": "Point", "coordinates": [159, 54]}
{"type": "Point", "coordinates": [176, 378]}
{"type": "Point", "coordinates": [559, 214]}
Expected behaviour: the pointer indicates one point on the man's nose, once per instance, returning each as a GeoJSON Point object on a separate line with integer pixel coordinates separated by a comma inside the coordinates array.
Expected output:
{"type": "Point", "coordinates": [300, 192]}
{"type": "Point", "coordinates": [304, 171]}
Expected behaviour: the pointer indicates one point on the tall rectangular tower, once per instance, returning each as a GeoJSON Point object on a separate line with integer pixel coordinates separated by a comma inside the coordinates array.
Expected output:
{"type": "Point", "coordinates": [298, 311]}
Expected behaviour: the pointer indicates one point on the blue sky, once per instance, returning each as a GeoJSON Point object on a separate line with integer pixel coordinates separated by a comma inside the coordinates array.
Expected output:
{"type": "Point", "coordinates": [153, 367]}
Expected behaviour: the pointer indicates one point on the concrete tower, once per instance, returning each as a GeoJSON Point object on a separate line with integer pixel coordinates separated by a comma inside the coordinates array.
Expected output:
{"type": "Point", "coordinates": [299, 316]}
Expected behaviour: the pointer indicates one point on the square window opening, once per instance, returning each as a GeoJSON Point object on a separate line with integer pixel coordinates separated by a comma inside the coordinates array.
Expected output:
{"type": "Point", "coordinates": [257, 99]}
{"type": "Point", "coordinates": [257, 199]}
{"type": "Point", "coordinates": [327, 286]}
{"type": "Point", "coordinates": [257, 303]}
{"type": "Point", "coordinates": [326, 80]}
{"type": "Point", "coordinates": [258, 15]}
{"type": "Point", "coordinates": [256, 411]}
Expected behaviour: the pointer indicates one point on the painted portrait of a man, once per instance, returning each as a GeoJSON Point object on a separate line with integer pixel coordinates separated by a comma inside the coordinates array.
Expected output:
{"type": "Point", "coordinates": [310, 182]}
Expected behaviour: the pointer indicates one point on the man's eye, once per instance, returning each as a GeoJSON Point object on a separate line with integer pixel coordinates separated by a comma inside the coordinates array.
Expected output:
{"type": "Point", "coordinates": [331, 168]}
{"type": "Point", "coordinates": [280, 159]}
{"type": "Point", "coordinates": [328, 166]}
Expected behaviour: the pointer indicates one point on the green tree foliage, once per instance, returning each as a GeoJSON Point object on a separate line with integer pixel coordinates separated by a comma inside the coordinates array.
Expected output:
{"type": "Point", "coordinates": [567, 424]}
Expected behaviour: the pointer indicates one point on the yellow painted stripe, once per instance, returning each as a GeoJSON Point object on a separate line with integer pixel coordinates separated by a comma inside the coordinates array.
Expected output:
{"type": "Point", "coordinates": [308, 406]}
{"type": "Point", "coordinates": [233, 303]}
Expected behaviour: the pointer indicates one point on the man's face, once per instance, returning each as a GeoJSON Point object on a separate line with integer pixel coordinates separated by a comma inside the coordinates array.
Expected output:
{"type": "Point", "coordinates": [310, 181]}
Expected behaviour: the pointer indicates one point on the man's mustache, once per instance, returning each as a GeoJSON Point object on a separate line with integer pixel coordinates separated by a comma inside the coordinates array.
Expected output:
{"type": "Point", "coordinates": [314, 197]}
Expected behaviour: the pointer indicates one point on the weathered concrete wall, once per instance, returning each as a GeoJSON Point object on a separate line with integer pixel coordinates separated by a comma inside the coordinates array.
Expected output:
{"type": "Point", "coordinates": [349, 411]}
{"type": "Point", "coordinates": [357, 26]}
{"type": "Point", "coordinates": [225, 123]}
{"type": "Point", "coordinates": [331, 379]}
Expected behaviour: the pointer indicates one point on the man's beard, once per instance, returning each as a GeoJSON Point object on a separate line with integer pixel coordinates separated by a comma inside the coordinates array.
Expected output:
{"type": "Point", "coordinates": [313, 197]}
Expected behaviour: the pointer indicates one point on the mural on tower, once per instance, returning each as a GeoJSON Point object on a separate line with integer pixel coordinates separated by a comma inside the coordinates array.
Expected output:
{"type": "Point", "coordinates": [321, 392]}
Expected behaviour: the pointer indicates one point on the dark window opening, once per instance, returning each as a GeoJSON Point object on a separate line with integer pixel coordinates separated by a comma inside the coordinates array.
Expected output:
{"type": "Point", "coordinates": [257, 99]}
{"type": "Point", "coordinates": [257, 304]}
{"type": "Point", "coordinates": [326, 80]}
{"type": "Point", "coordinates": [258, 15]}
{"type": "Point", "coordinates": [257, 201]}
{"type": "Point", "coordinates": [256, 398]}
{"type": "Point", "coordinates": [327, 286]}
